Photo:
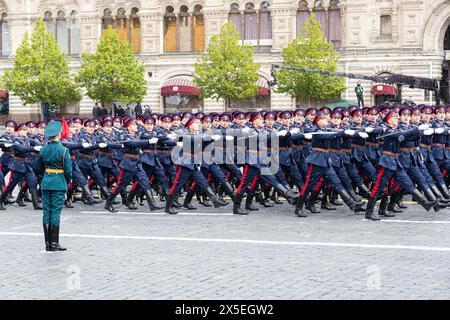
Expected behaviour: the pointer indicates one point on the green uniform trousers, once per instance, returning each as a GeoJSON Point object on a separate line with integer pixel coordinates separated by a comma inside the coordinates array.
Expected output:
{"type": "Point", "coordinates": [52, 203]}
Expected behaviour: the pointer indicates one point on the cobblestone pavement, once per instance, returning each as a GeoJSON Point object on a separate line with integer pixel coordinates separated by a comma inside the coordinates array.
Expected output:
{"type": "Point", "coordinates": [211, 254]}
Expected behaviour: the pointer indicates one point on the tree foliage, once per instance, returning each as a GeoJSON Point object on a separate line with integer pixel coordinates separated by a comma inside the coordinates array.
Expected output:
{"type": "Point", "coordinates": [113, 73]}
{"type": "Point", "coordinates": [41, 71]}
{"type": "Point", "coordinates": [227, 69]}
{"type": "Point", "coordinates": [310, 51]}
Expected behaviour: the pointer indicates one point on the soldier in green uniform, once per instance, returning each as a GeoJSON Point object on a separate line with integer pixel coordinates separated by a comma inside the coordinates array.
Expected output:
{"type": "Point", "coordinates": [56, 166]}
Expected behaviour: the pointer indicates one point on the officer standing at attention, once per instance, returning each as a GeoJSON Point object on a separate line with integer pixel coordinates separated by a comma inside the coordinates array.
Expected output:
{"type": "Point", "coordinates": [359, 90]}
{"type": "Point", "coordinates": [56, 166]}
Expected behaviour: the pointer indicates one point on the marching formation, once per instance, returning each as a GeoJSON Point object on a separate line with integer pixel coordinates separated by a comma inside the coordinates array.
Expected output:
{"type": "Point", "coordinates": [309, 157]}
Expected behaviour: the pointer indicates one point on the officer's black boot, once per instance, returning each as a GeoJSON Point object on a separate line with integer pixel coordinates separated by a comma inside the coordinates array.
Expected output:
{"type": "Point", "coordinates": [46, 236]}
{"type": "Point", "coordinates": [34, 199]}
{"type": "Point", "coordinates": [431, 197]}
{"type": "Point", "coordinates": [417, 196]}
{"type": "Point", "coordinates": [325, 203]}
{"type": "Point", "coordinates": [88, 198]}
{"type": "Point", "coordinates": [275, 197]}
{"type": "Point", "coordinates": [311, 201]}
{"type": "Point", "coordinates": [169, 204]}
{"type": "Point", "coordinates": [110, 201]}
{"type": "Point", "coordinates": [188, 200]}
{"type": "Point", "coordinates": [334, 199]}
{"type": "Point", "coordinates": [299, 208]}
{"type": "Point", "coordinates": [399, 199]}
{"type": "Point", "coordinates": [364, 191]}
{"type": "Point", "coordinates": [287, 193]}
{"type": "Point", "coordinates": [3, 196]}
{"type": "Point", "coordinates": [354, 196]}
{"type": "Point", "coordinates": [370, 214]}
{"type": "Point", "coordinates": [392, 206]}
{"type": "Point", "coordinates": [215, 200]}
{"type": "Point", "coordinates": [237, 206]}
{"type": "Point", "coordinates": [176, 203]}
{"type": "Point", "coordinates": [248, 202]}
{"type": "Point", "coordinates": [128, 200]}
{"type": "Point", "coordinates": [20, 196]}
{"type": "Point", "coordinates": [382, 211]}
{"type": "Point", "coordinates": [205, 200]}
{"type": "Point", "coordinates": [356, 206]}
{"type": "Point", "coordinates": [67, 202]}
{"type": "Point", "coordinates": [439, 195]}
{"type": "Point", "coordinates": [105, 193]}
{"type": "Point", "coordinates": [151, 200]}
{"type": "Point", "coordinates": [228, 189]}
{"type": "Point", "coordinates": [444, 191]}
{"type": "Point", "coordinates": [54, 238]}
{"type": "Point", "coordinates": [266, 199]}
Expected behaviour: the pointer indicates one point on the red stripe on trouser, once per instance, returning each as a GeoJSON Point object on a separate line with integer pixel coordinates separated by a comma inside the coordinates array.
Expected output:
{"type": "Point", "coordinates": [176, 180]}
{"type": "Point", "coordinates": [228, 176]}
{"type": "Point", "coordinates": [252, 186]}
{"type": "Point", "coordinates": [118, 181]}
{"type": "Point", "coordinates": [193, 185]}
{"type": "Point", "coordinates": [91, 182]}
{"type": "Point", "coordinates": [209, 178]}
{"type": "Point", "coordinates": [377, 184]}
{"type": "Point", "coordinates": [319, 185]}
{"type": "Point", "coordinates": [9, 182]}
{"type": "Point", "coordinates": [397, 188]}
{"type": "Point", "coordinates": [24, 184]}
{"type": "Point", "coordinates": [1, 166]}
{"type": "Point", "coordinates": [70, 186]}
{"type": "Point", "coordinates": [244, 176]}
{"type": "Point", "coordinates": [134, 186]}
{"type": "Point", "coordinates": [302, 193]}
{"type": "Point", "coordinates": [111, 179]}
{"type": "Point", "coordinates": [152, 179]}
{"type": "Point", "coordinates": [328, 187]}
{"type": "Point", "coordinates": [444, 172]}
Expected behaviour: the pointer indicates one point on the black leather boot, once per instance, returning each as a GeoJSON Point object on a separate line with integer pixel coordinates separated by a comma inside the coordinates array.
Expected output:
{"type": "Point", "coordinates": [215, 200]}
{"type": "Point", "coordinates": [105, 193]}
{"type": "Point", "coordinates": [248, 202]}
{"type": "Point", "coordinates": [88, 198]}
{"type": "Point", "coordinates": [299, 208]}
{"type": "Point", "coordinates": [169, 205]}
{"type": "Point", "coordinates": [370, 214]}
{"type": "Point", "coordinates": [325, 203]}
{"type": "Point", "coordinates": [110, 201]}
{"type": "Point", "coordinates": [266, 198]}
{"type": "Point", "coordinates": [431, 197]}
{"type": "Point", "coordinates": [350, 202]}
{"type": "Point", "coordinates": [228, 189]}
{"type": "Point", "coordinates": [151, 200]}
{"type": "Point", "coordinates": [237, 206]}
{"type": "Point", "coordinates": [205, 200]}
{"type": "Point", "coordinates": [444, 191]}
{"type": "Point", "coordinates": [438, 195]}
{"type": "Point", "coordinates": [35, 201]}
{"type": "Point", "coordinates": [334, 199]}
{"type": "Point", "coordinates": [3, 196]}
{"type": "Point", "coordinates": [46, 236]}
{"type": "Point", "coordinates": [364, 191]}
{"type": "Point", "coordinates": [382, 211]}
{"type": "Point", "coordinates": [188, 200]}
{"type": "Point", "coordinates": [128, 200]}
{"type": "Point", "coordinates": [392, 206]}
{"type": "Point", "coordinates": [68, 201]}
{"type": "Point", "coordinates": [275, 198]}
{"type": "Point", "coordinates": [399, 199]}
{"type": "Point", "coordinates": [354, 196]}
{"type": "Point", "coordinates": [54, 238]}
{"type": "Point", "coordinates": [20, 196]}
{"type": "Point", "coordinates": [287, 193]}
{"type": "Point", "coordinates": [417, 196]}
{"type": "Point", "coordinates": [311, 201]}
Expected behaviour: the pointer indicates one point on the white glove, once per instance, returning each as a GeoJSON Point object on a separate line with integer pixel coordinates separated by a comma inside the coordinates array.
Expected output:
{"type": "Point", "coordinates": [86, 145]}
{"type": "Point", "coordinates": [179, 144]}
{"type": "Point", "coordinates": [229, 138]}
{"type": "Point", "coordinates": [308, 136]}
{"type": "Point", "coordinates": [153, 141]}
{"type": "Point", "coordinates": [369, 130]}
{"type": "Point", "coordinates": [103, 145]}
{"type": "Point", "coordinates": [428, 132]}
{"type": "Point", "coordinates": [245, 130]}
{"type": "Point", "coordinates": [363, 135]}
{"type": "Point", "coordinates": [282, 133]}
{"type": "Point", "coordinates": [439, 130]}
{"type": "Point", "coordinates": [424, 126]}
{"type": "Point", "coordinates": [295, 130]}
{"type": "Point", "coordinates": [216, 137]}
{"type": "Point", "coordinates": [172, 136]}
{"type": "Point", "coordinates": [8, 145]}
{"type": "Point", "coordinates": [350, 132]}
{"type": "Point", "coordinates": [37, 148]}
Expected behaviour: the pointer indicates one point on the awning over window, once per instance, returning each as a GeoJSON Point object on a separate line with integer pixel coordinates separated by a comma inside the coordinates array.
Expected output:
{"type": "Point", "coordinates": [180, 85]}
{"type": "Point", "coordinates": [384, 89]}
{"type": "Point", "coordinates": [264, 89]}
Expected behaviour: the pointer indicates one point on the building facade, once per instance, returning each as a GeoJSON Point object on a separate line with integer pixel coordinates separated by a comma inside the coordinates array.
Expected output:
{"type": "Point", "coordinates": [371, 36]}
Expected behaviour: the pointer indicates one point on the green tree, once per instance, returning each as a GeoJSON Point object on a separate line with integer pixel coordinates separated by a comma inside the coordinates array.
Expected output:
{"type": "Point", "coordinates": [41, 71]}
{"type": "Point", "coordinates": [310, 51]}
{"type": "Point", "coordinates": [227, 69]}
{"type": "Point", "coordinates": [112, 73]}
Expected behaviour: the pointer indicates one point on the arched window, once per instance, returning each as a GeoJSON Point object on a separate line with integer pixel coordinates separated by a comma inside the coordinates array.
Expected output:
{"type": "Point", "coordinates": [184, 29]}
{"type": "Point", "coordinates": [199, 29]}
{"type": "Point", "coordinates": [321, 15]}
{"type": "Point", "coordinates": [4, 34]}
{"type": "Point", "coordinates": [235, 17]}
{"type": "Point", "coordinates": [265, 21]}
{"type": "Point", "coordinates": [74, 33]}
{"type": "Point", "coordinates": [107, 20]}
{"type": "Point", "coordinates": [250, 23]}
{"type": "Point", "coordinates": [49, 23]}
{"type": "Point", "coordinates": [121, 24]}
{"type": "Point", "coordinates": [135, 25]}
{"type": "Point", "coordinates": [302, 15]}
{"type": "Point", "coordinates": [62, 32]}
{"type": "Point", "coordinates": [170, 30]}
{"type": "Point", "coordinates": [335, 23]}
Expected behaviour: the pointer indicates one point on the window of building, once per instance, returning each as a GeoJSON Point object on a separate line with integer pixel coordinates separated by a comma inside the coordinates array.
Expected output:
{"type": "Point", "coordinates": [170, 30]}
{"type": "Point", "coordinates": [199, 29]}
{"type": "Point", "coordinates": [4, 34]}
{"type": "Point", "coordinates": [66, 30]}
{"type": "Point", "coordinates": [253, 24]}
{"type": "Point", "coordinates": [386, 25]}
{"type": "Point", "coordinates": [182, 103]}
{"type": "Point", "coordinates": [330, 20]}
{"type": "Point", "coordinates": [128, 26]}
